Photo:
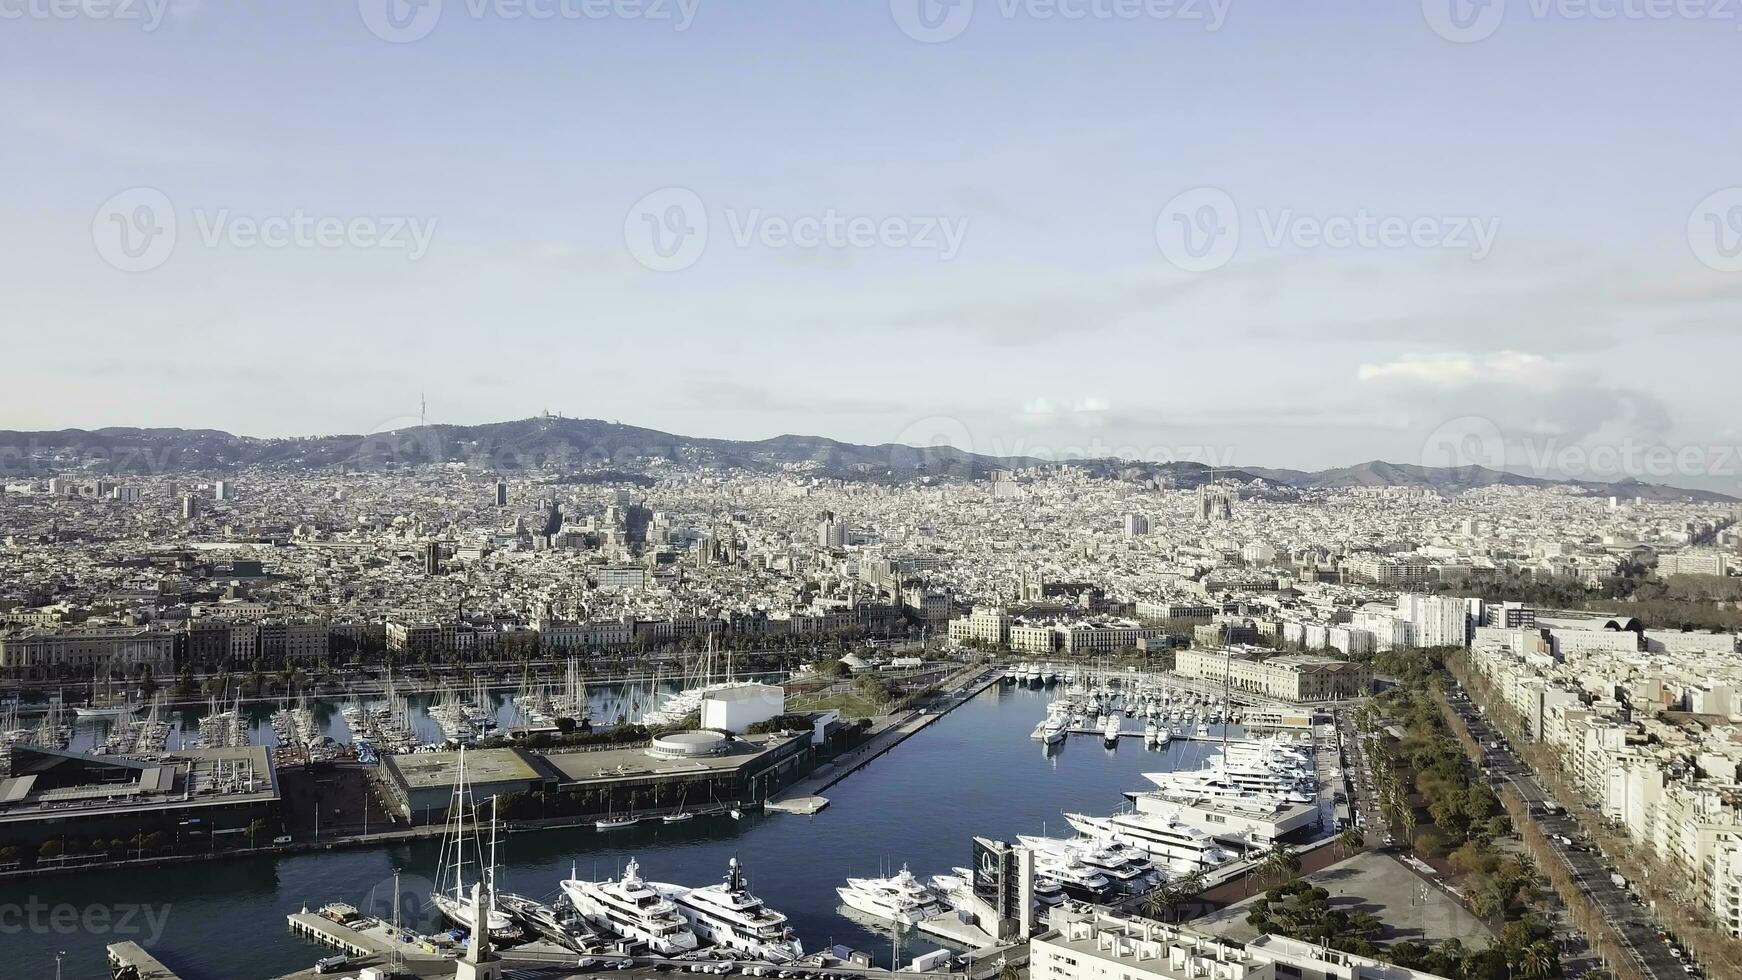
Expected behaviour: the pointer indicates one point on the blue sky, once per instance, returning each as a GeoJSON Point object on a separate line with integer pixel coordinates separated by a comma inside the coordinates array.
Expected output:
{"type": "Point", "coordinates": [1058, 323]}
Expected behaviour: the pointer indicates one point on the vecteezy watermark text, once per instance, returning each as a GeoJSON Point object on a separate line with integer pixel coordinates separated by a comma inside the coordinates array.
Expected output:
{"type": "Point", "coordinates": [404, 21]}
{"type": "Point", "coordinates": [669, 229]}
{"type": "Point", "coordinates": [1469, 21]}
{"type": "Point", "coordinates": [138, 229]}
{"type": "Point", "coordinates": [36, 917]}
{"type": "Point", "coordinates": [1200, 229]}
{"type": "Point", "coordinates": [148, 14]}
{"type": "Point", "coordinates": [937, 21]}
{"type": "Point", "coordinates": [1472, 441]}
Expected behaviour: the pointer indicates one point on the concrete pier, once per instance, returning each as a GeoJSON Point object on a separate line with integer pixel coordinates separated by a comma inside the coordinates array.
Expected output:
{"type": "Point", "coordinates": [145, 966]}
{"type": "Point", "coordinates": [805, 796]}
{"type": "Point", "coordinates": [955, 932]}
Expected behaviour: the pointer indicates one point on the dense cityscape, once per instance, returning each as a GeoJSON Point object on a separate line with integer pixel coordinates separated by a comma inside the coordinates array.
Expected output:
{"type": "Point", "coordinates": [879, 490]}
{"type": "Point", "coordinates": [274, 659]}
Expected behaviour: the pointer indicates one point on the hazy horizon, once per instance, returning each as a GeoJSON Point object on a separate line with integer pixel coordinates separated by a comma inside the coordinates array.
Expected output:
{"type": "Point", "coordinates": [1246, 232]}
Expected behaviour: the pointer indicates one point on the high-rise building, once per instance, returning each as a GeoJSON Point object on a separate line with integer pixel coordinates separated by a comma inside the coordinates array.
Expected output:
{"type": "Point", "coordinates": [501, 493]}
{"type": "Point", "coordinates": [831, 533]}
{"type": "Point", "coordinates": [221, 490]}
{"type": "Point", "coordinates": [190, 506]}
{"type": "Point", "coordinates": [1438, 621]}
{"type": "Point", "coordinates": [1136, 525]}
{"type": "Point", "coordinates": [432, 558]}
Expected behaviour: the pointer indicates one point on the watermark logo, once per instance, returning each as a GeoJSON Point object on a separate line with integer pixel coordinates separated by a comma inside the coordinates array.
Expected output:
{"type": "Point", "coordinates": [148, 14]}
{"type": "Point", "coordinates": [36, 917]}
{"type": "Point", "coordinates": [1474, 442]}
{"type": "Point", "coordinates": [400, 21]}
{"type": "Point", "coordinates": [1464, 21]}
{"type": "Point", "coordinates": [135, 231]}
{"type": "Point", "coordinates": [399, 443]}
{"type": "Point", "coordinates": [668, 230]}
{"type": "Point", "coordinates": [937, 21]}
{"type": "Point", "coordinates": [932, 21]}
{"type": "Point", "coordinates": [405, 21]}
{"type": "Point", "coordinates": [1469, 21]}
{"type": "Point", "coordinates": [1468, 442]}
{"type": "Point", "coordinates": [1715, 230]}
{"type": "Point", "coordinates": [1199, 230]}
{"type": "Point", "coordinates": [412, 905]}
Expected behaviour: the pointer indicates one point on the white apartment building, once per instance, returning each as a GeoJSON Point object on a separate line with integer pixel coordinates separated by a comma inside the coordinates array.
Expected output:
{"type": "Point", "coordinates": [1107, 636]}
{"type": "Point", "coordinates": [1698, 561]}
{"type": "Point", "coordinates": [986, 624]}
{"type": "Point", "coordinates": [1088, 943]}
{"type": "Point", "coordinates": [1284, 677]}
{"type": "Point", "coordinates": [1438, 621]}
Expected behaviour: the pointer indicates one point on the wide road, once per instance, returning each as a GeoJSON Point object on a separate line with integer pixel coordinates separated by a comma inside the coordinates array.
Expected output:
{"type": "Point", "coordinates": [1639, 932]}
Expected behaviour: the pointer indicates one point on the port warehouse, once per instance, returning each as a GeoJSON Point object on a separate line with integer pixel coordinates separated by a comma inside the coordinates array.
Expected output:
{"type": "Point", "coordinates": [52, 794]}
{"type": "Point", "coordinates": [689, 770]}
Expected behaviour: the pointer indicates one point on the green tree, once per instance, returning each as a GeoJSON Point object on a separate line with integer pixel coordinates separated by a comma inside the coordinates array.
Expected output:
{"type": "Point", "coordinates": [1279, 862]}
{"type": "Point", "coordinates": [1351, 840]}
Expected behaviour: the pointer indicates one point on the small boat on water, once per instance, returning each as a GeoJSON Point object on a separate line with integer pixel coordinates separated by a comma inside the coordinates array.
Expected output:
{"type": "Point", "coordinates": [615, 823]}
{"type": "Point", "coordinates": [679, 817]}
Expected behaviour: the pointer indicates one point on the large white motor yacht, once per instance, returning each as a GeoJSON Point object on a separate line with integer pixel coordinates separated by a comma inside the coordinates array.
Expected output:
{"type": "Point", "coordinates": [631, 908]}
{"type": "Point", "coordinates": [728, 916]}
{"type": "Point", "coordinates": [1178, 846]}
{"type": "Point", "coordinates": [901, 898]}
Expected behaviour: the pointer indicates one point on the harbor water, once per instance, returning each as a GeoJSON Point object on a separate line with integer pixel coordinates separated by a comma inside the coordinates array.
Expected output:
{"type": "Point", "coordinates": [974, 772]}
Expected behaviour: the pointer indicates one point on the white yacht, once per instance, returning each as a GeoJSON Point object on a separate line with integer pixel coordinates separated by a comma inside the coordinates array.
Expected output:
{"type": "Point", "coordinates": [631, 908]}
{"type": "Point", "coordinates": [1052, 730]}
{"type": "Point", "coordinates": [1127, 869]}
{"type": "Point", "coordinates": [1221, 784]}
{"type": "Point", "coordinates": [954, 888]}
{"type": "Point", "coordinates": [1178, 846]}
{"type": "Point", "coordinates": [728, 916]}
{"type": "Point", "coordinates": [1110, 734]}
{"type": "Point", "coordinates": [1072, 874]}
{"type": "Point", "coordinates": [901, 898]}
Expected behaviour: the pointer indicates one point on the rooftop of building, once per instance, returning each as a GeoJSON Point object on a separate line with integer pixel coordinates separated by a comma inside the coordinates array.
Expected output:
{"type": "Point", "coordinates": [56, 783]}
{"type": "Point", "coordinates": [425, 770]}
{"type": "Point", "coordinates": [635, 763]}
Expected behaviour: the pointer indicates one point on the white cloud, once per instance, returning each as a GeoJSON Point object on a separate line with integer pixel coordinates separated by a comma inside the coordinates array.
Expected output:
{"type": "Point", "coordinates": [1449, 371]}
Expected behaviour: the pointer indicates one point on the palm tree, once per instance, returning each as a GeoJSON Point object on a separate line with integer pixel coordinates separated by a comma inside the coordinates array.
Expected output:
{"type": "Point", "coordinates": [1537, 961]}
{"type": "Point", "coordinates": [1279, 862]}
{"type": "Point", "coordinates": [1351, 840]}
{"type": "Point", "coordinates": [1160, 902]}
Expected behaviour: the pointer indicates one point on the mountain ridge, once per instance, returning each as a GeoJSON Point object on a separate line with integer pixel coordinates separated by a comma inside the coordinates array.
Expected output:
{"type": "Point", "coordinates": [558, 445]}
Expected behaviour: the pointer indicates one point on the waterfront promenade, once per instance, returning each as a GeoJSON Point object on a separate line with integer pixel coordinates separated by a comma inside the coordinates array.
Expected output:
{"type": "Point", "coordinates": [805, 796]}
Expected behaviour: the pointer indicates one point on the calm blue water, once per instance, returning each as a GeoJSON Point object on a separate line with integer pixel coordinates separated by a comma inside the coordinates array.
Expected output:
{"type": "Point", "coordinates": [975, 772]}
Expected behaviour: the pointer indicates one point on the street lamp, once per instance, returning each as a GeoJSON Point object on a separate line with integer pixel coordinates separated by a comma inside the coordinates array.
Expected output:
{"type": "Point", "coordinates": [57, 959]}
